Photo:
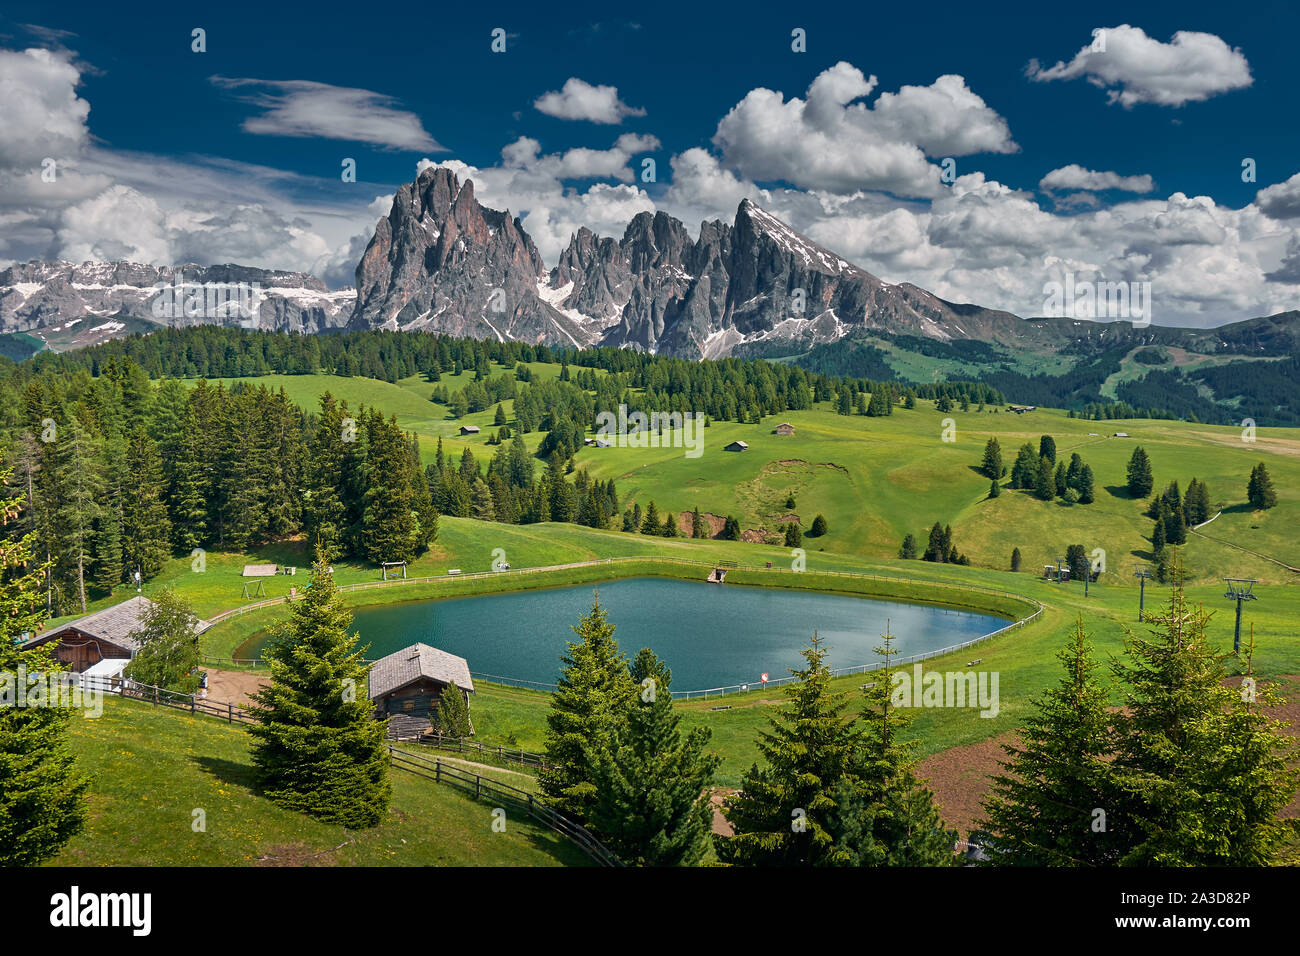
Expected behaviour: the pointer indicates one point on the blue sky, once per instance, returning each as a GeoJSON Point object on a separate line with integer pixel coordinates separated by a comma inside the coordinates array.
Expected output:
{"type": "Point", "coordinates": [184, 133]}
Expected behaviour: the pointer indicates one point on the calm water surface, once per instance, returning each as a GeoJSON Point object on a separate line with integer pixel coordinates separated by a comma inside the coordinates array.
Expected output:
{"type": "Point", "coordinates": [710, 635]}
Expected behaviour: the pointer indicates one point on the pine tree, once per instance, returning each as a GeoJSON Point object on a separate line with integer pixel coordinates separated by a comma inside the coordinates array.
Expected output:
{"type": "Point", "coordinates": [83, 486]}
{"type": "Point", "coordinates": [453, 712]}
{"type": "Point", "coordinates": [883, 815]}
{"type": "Point", "coordinates": [325, 514]}
{"type": "Point", "coordinates": [146, 528]}
{"type": "Point", "coordinates": [651, 805]}
{"type": "Point", "coordinates": [781, 814]}
{"type": "Point", "coordinates": [41, 793]}
{"type": "Point", "coordinates": [818, 527]}
{"type": "Point", "coordinates": [1087, 486]}
{"type": "Point", "coordinates": [1259, 490]}
{"type": "Point", "coordinates": [699, 528]}
{"type": "Point", "coordinates": [499, 418]}
{"type": "Point", "coordinates": [1015, 559]}
{"type": "Point", "coordinates": [650, 524]}
{"type": "Point", "coordinates": [992, 466]}
{"type": "Point", "coordinates": [670, 526]}
{"type": "Point", "coordinates": [1140, 480]}
{"type": "Point", "coordinates": [1191, 793]}
{"type": "Point", "coordinates": [107, 542]}
{"type": "Point", "coordinates": [1045, 481]}
{"type": "Point", "coordinates": [317, 747]}
{"type": "Point", "coordinates": [1047, 448]}
{"type": "Point", "coordinates": [591, 699]}
{"type": "Point", "coordinates": [1061, 480]}
{"type": "Point", "coordinates": [994, 488]}
{"type": "Point", "coordinates": [1024, 473]}
{"type": "Point", "coordinates": [1042, 809]}
{"type": "Point", "coordinates": [388, 531]}
{"type": "Point", "coordinates": [937, 549]}
{"type": "Point", "coordinates": [908, 549]}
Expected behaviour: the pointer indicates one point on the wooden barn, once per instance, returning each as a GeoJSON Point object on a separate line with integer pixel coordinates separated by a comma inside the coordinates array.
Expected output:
{"type": "Point", "coordinates": [409, 683]}
{"type": "Point", "coordinates": [106, 634]}
{"type": "Point", "coordinates": [469, 429]}
{"type": "Point", "coordinates": [737, 446]}
{"type": "Point", "coordinates": [785, 428]}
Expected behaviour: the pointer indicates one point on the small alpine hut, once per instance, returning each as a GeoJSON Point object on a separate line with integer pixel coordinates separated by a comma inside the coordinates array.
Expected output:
{"type": "Point", "coordinates": [409, 683]}
{"type": "Point", "coordinates": [785, 428]}
{"type": "Point", "coordinates": [737, 446]}
{"type": "Point", "coordinates": [469, 429]}
{"type": "Point", "coordinates": [104, 635]}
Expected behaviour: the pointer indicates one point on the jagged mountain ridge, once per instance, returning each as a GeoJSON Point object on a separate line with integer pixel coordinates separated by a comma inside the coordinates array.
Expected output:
{"type": "Point", "coordinates": [441, 261]}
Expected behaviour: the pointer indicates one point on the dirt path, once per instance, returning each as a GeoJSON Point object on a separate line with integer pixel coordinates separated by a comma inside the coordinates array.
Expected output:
{"type": "Point", "coordinates": [233, 687]}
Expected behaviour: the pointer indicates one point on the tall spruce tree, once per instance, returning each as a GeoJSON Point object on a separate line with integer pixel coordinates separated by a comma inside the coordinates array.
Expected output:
{"type": "Point", "coordinates": [389, 528]}
{"type": "Point", "coordinates": [651, 806]}
{"type": "Point", "coordinates": [1259, 490]}
{"type": "Point", "coordinates": [146, 527]}
{"type": "Point", "coordinates": [1042, 808]}
{"type": "Point", "coordinates": [1140, 479]}
{"type": "Point", "coordinates": [782, 813]}
{"type": "Point", "coordinates": [884, 816]}
{"type": "Point", "coordinates": [317, 747]}
{"type": "Point", "coordinates": [991, 466]}
{"type": "Point", "coordinates": [42, 802]}
{"type": "Point", "coordinates": [1189, 792]}
{"type": "Point", "coordinates": [82, 480]}
{"type": "Point", "coordinates": [589, 703]}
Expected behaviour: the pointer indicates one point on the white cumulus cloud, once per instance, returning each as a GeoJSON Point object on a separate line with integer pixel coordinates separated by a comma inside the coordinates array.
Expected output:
{"type": "Point", "coordinates": [580, 100]}
{"type": "Point", "coordinates": [1135, 68]}
{"type": "Point", "coordinates": [1075, 176]}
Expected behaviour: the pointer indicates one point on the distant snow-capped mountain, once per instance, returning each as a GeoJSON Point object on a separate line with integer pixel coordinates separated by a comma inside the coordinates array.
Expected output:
{"type": "Point", "coordinates": [71, 305]}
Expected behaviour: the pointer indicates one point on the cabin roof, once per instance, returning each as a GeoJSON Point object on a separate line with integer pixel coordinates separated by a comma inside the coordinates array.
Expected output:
{"type": "Point", "coordinates": [117, 624]}
{"type": "Point", "coordinates": [408, 665]}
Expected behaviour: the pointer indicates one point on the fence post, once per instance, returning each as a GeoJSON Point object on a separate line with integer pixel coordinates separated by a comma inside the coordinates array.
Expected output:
{"type": "Point", "coordinates": [230, 712]}
{"type": "Point", "coordinates": [437, 770]}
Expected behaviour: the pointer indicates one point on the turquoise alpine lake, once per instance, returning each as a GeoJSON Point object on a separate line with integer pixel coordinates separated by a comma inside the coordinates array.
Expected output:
{"type": "Point", "coordinates": [710, 635]}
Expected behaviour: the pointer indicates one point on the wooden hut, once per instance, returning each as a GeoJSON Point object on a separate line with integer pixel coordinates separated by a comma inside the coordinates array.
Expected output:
{"type": "Point", "coordinates": [737, 446]}
{"type": "Point", "coordinates": [469, 429]}
{"type": "Point", "coordinates": [109, 633]}
{"type": "Point", "coordinates": [409, 683]}
{"type": "Point", "coordinates": [785, 428]}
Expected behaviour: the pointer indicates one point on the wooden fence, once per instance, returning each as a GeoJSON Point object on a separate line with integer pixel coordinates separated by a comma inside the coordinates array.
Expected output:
{"type": "Point", "coordinates": [122, 687]}
{"type": "Point", "coordinates": [465, 745]}
{"type": "Point", "coordinates": [503, 793]}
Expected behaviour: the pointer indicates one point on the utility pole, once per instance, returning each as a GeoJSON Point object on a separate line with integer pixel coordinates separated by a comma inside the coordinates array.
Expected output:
{"type": "Point", "coordinates": [1142, 589]}
{"type": "Point", "coordinates": [1239, 589]}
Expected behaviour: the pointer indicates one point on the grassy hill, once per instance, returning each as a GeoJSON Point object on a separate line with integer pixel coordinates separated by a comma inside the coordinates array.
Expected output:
{"type": "Point", "coordinates": [877, 479]}
{"type": "Point", "coordinates": [151, 768]}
